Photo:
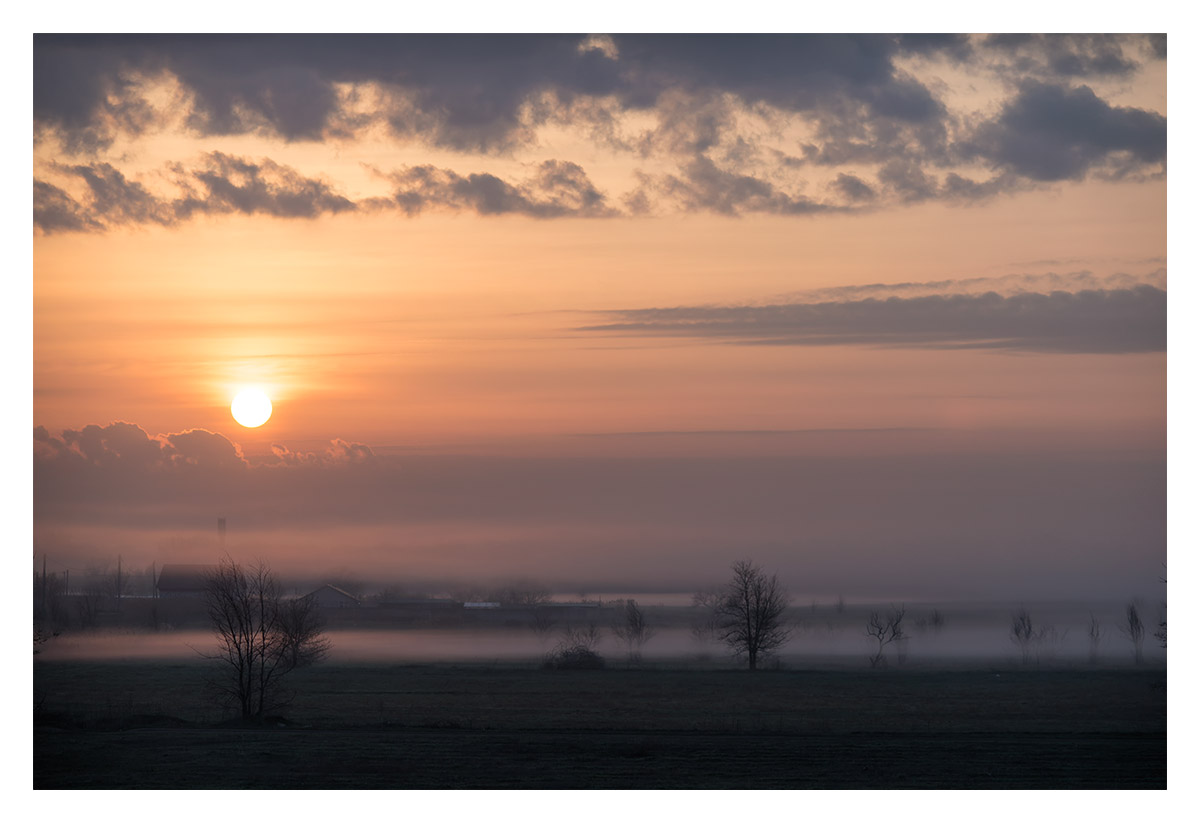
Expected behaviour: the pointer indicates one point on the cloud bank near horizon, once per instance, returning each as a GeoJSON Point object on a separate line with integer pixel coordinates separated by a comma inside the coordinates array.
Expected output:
{"type": "Point", "coordinates": [955, 524]}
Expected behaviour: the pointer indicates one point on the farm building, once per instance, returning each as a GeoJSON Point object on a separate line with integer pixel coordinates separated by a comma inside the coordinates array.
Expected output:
{"type": "Point", "coordinates": [183, 579]}
{"type": "Point", "coordinates": [331, 597]}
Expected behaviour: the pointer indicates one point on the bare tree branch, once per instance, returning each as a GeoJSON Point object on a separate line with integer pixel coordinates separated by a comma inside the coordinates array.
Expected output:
{"type": "Point", "coordinates": [750, 612]}
{"type": "Point", "coordinates": [260, 636]}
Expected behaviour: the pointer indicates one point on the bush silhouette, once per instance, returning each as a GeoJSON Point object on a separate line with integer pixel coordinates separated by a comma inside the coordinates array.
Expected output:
{"type": "Point", "coordinates": [574, 657]}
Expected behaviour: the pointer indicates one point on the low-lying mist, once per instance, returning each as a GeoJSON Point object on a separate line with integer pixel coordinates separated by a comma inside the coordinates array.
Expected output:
{"type": "Point", "coordinates": [818, 637]}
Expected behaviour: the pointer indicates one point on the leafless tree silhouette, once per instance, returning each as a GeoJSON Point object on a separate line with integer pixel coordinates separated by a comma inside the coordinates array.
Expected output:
{"type": "Point", "coordinates": [884, 629]}
{"type": "Point", "coordinates": [750, 612]}
{"type": "Point", "coordinates": [1025, 635]}
{"type": "Point", "coordinates": [1134, 629]}
{"type": "Point", "coordinates": [704, 618]}
{"type": "Point", "coordinates": [632, 629]}
{"type": "Point", "coordinates": [1160, 633]}
{"type": "Point", "coordinates": [260, 637]}
{"type": "Point", "coordinates": [1095, 635]}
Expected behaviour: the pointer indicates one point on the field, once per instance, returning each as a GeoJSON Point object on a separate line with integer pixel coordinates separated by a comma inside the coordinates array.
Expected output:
{"type": "Point", "coordinates": [150, 725]}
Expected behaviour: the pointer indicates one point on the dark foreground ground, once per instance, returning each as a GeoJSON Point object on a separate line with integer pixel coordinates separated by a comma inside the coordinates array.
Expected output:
{"type": "Point", "coordinates": [135, 725]}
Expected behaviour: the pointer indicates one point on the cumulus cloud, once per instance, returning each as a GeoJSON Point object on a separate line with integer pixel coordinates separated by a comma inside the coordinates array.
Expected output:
{"type": "Point", "coordinates": [470, 87]}
{"type": "Point", "coordinates": [703, 186]}
{"type": "Point", "coordinates": [556, 189]}
{"type": "Point", "coordinates": [55, 211]}
{"type": "Point", "coordinates": [234, 184]}
{"type": "Point", "coordinates": [1089, 321]}
{"type": "Point", "coordinates": [340, 452]}
{"type": "Point", "coordinates": [224, 184]}
{"type": "Point", "coordinates": [1050, 132]}
{"type": "Point", "coordinates": [220, 184]}
{"type": "Point", "coordinates": [125, 447]}
{"type": "Point", "coordinates": [729, 124]}
{"type": "Point", "coordinates": [1069, 55]}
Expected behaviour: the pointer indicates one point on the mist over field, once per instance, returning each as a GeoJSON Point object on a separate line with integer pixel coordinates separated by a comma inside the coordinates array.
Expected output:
{"type": "Point", "coordinates": [972, 635]}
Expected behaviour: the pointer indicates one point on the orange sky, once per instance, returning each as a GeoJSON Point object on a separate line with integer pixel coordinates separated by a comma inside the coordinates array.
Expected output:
{"type": "Point", "coordinates": [451, 260]}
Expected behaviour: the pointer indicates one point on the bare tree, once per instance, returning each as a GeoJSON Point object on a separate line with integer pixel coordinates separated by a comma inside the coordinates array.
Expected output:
{"type": "Point", "coordinates": [260, 637]}
{"type": "Point", "coordinates": [303, 630]}
{"type": "Point", "coordinates": [704, 618]}
{"type": "Point", "coordinates": [1160, 633]}
{"type": "Point", "coordinates": [633, 630]}
{"type": "Point", "coordinates": [750, 612]}
{"type": "Point", "coordinates": [1095, 635]}
{"type": "Point", "coordinates": [885, 629]}
{"type": "Point", "coordinates": [1134, 630]}
{"type": "Point", "coordinates": [1025, 635]}
{"type": "Point", "coordinates": [543, 623]}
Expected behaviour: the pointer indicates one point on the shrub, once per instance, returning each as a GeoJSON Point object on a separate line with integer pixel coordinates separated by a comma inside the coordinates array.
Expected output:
{"type": "Point", "coordinates": [574, 657]}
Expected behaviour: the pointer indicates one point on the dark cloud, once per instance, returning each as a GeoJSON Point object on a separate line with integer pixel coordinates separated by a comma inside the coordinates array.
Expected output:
{"type": "Point", "coordinates": [232, 184]}
{"type": "Point", "coordinates": [854, 189]}
{"type": "Point", "coordinates": [1050, 132]}
{"type": "Point", "coordinates": [463, 91]}
{"type": "Point", "coordinates": [1093, 321]}
{"type": "Point", "coordinates": [556, 189]}
{"type": "Point", "coordinates": [702, 186]}
{"type": "Point", "coordinates": [1068, 55]}
{"type": "Point", "coordinates": [54, 210]}
{"type": "Point", "coordinates": [908, 181]}
{"type": "Point", "coordinates": [115, 200]}
{"type": "Point", "coordinates": [714, 106]}
{"type": "Point", "coordinates": [957, 46]}
{"type": "Point", "coordinates": [221, 184]}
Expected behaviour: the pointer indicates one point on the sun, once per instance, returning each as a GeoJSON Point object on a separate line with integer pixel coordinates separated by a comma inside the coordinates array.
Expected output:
{"type": "Point", "coordinates": [251, 408]}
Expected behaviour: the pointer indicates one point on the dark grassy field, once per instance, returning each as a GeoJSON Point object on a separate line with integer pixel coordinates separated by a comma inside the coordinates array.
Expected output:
{"type": "Point", "coordinates": [150, 725]}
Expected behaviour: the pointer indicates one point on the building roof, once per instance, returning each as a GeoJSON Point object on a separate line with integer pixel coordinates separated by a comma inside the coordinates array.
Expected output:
{"type": "Point", "coordinates": [334, 589]}
{"type": "Point", "coordinates": [184, 577]}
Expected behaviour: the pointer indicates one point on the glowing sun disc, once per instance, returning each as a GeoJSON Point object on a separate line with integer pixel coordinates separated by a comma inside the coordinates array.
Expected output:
{"type": "Point", "coordinates": [251, 408]}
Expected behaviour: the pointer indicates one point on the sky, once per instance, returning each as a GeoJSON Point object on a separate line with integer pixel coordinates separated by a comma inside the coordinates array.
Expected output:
{"type": "Point", "coordinates": [884, 314]}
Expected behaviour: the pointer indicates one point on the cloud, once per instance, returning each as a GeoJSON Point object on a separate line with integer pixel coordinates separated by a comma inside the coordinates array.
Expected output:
{"type": "Point", "coordinates": [54, 211]}
{"type": "Point", "coordinates": [339, 453]}
{"type": "Point", "coordinates": [233, 184]}
{"type": "Point", "coordinates": [729, 124]}
{"type": "Point", "coordinates": [1091, 321]}
{"type": "Point", "coordinates": [124, 447]}
{"type": "Point", "coordinates": [854, 189]}
{"type": "Point", "coordinates": [467, 91]}
{"type": "Point", "coordinates": [702, 186]}
{"type": "Point", "coordinates": [220, 184]}
{"type": "Point", "coordinates": [1008, 285]}
{"type": "Point", "coordinates": [1069, 55]}
{"type": "Point", "coordinates": [556, 189]}
{"type": "Point", "coordinates": [224, 184]}
{"type": "Point", "coordinates": [1050, 132]}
